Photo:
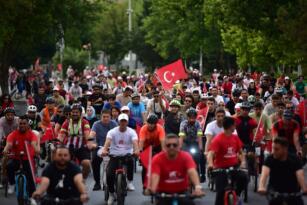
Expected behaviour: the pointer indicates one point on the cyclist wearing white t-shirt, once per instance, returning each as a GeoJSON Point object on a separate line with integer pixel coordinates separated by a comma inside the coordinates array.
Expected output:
{"type": "Point", "coordinates": [215, 127]}
{"type": "Point", "coordinates": [120, 141]}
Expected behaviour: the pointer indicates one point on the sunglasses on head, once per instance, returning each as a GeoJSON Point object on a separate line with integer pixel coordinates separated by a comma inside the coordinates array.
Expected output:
{"type": "Point", "coordinates": [172, 145]}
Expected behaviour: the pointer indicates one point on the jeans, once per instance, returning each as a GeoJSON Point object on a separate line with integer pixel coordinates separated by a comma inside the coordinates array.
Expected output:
{"type": "Point", "coordinates": [13, 166]}
{"type": "Point", "coordinates": [111, 171]}
{"type": "Point", "coordinates": [96, 162]}
{"type": "Point", "coordinates": [240, 180]}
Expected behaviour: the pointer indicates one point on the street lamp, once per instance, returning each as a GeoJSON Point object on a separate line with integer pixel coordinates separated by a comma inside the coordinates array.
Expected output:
{"type": "Point", "coordinates": [88, 47]}
{"type": "Point", "coordinates": [129, 12]}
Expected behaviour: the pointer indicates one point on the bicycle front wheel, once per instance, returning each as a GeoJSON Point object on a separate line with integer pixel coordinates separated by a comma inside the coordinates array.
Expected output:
{"type": "Point", "coordinates": [231, 199]}
{"type": "Point", "coordinates": [20, 190]}
{"type": "Point", "coordinates": [121, 189]}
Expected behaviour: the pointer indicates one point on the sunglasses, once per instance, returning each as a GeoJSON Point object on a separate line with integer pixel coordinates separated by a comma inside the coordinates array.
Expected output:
{"type": "Point", "coordinates": [156, 96]}
{"type": "Point", "coordinates": [172, 145]}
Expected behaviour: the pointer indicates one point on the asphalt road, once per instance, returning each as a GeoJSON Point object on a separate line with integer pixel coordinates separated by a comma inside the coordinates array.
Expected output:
{"type": "Point", "coordinates": [136, 197]}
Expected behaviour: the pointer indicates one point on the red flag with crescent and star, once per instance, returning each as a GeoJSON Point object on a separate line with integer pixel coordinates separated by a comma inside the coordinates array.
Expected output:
{"type": "Point", "coordinates": [170, 73]}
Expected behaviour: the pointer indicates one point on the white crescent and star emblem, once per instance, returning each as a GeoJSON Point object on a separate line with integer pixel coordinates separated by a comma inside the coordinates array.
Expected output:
{"type": "Point", "coordinates": [168, 80]}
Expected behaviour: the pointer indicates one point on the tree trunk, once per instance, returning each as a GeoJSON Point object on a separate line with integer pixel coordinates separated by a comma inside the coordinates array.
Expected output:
{"type": "Point", "coordinates": [4, 76]}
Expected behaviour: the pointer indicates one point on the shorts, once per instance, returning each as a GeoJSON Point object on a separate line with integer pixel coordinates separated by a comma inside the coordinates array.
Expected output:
{"type": "Point", "coordinates": [81, 154]}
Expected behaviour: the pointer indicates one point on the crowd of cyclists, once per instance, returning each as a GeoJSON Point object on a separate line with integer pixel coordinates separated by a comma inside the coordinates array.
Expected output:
{"type": "Point", "coordinates": [201, 125]}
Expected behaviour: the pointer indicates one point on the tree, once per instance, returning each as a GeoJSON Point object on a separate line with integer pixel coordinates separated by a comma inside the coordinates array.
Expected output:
{"type": "Point", "coordinates": [29, 29]}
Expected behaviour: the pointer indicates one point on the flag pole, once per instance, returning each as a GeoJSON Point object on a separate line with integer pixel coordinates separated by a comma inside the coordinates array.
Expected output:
{"type": "Point", "coordinates": [254, 140]}
{"type": "Point", "coordinates": [149, 167]}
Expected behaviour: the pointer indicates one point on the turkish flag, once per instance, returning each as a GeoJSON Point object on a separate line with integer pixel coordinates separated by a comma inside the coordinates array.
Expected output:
{"type": "Point", "coordinates": [146, 159]}
{"type": "Point", "coordinates": [169, 74]}
{"type": "Point", "coordinates": [202, 117]}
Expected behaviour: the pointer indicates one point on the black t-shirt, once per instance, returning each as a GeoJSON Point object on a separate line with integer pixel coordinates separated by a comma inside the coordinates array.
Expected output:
{"type": "Point", "coordinates": [62, 180]}
{"type": "Point", "coordinates": [283, 174]}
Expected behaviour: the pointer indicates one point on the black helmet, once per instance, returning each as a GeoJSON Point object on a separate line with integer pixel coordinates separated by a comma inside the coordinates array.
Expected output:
{"type": "Point", "coordinates": [76, 106]}
{"type": "Point", "coordinates": [66, 109]}
{"type": "Point", "coordinates": [152, 119]}
{"type": "Point", "coordinates": [9, 110]}
{"type": "Point", "coordinates": [245, 105]}
{"type": "Point", "coordinates": [191, 112]}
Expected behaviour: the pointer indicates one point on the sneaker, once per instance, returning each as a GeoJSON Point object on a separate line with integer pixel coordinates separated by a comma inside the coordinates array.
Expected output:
{"type": "Point", "coordinates": [32, 201]}
{"type": "Point", "coordinates": [11, 189]}
{"type": "Point", "coordinates": [97, 186]}
{"type": "Point", "coordinates": [130, 186]}
{"type": "Point", "coordinates": [111, 199]}
{"type": "Point", "coordinates": [203, 178]}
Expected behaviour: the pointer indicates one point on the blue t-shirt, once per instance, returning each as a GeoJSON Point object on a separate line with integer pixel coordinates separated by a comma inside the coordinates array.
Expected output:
{"type": "Point", "coordinates": [102, 130]}
{"type": "Point", "coordinates": [136, 111]}
{"type": "Point", "coordinates": [108, 106]}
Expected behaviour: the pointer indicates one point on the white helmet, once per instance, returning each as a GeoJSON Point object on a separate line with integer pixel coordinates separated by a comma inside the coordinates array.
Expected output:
{"type": "Point", "coordinates": [32, 108]}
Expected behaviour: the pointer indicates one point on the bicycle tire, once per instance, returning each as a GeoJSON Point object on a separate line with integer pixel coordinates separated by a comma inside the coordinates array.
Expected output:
{"type": "Point", "coordinates": [20, 191]}
{"type": "Point", "coordinates": [255, 183]}
{"type": "Point", "coordinates": [5, 183]}
{"type": "Point", "coordinates": [106, 193]}
{"type": "Point", "coordinates": [231, 199]}
{"type": "Point", "coordinates": [121, 189]}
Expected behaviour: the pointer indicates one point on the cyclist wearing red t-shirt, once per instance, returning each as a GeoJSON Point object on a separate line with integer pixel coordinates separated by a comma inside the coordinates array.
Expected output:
{"type": "Point", "coordinates": [75, 134]}
{"type": "Point", "coordinates": [289, 129]}
{"type": "Point", "coordinates": [226, 151]}
{"type": "Point", "coordinates": [15, 144]}
{"type": "Point", "coordinates": [171, 171]}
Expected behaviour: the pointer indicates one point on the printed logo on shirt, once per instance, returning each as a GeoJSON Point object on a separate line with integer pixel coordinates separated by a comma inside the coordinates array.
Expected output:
{"type": "Point", "coordinates": [174, 177]}
{"type": "Point", "coordinates": [61, 182]}
{"type": "Point", "coordinates": [230, 153]}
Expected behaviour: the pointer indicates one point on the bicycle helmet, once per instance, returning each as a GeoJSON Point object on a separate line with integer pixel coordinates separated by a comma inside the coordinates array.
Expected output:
{"type": "Point", "coordinates": [152, 119]}
{"type": "Point", "coordinates": [66, 109]}
{"type": "Point", "coordinates": [50, 100]}
{"type": "Point", "coordinates": [245, 105]}
{"type": "Point", "coordinates": [32, 108]}
{"type": "Point", "coordinates": [251, 99]}
{"type": "Point", "coordinates": [9, 110]}
{"type": "Point", "coordinates": [134, 95]}
{"type": "Point", "coordinates": [191, 112]}
{"type": "Point", "coordinates": [76, 106]}
{"type": "Point", "coordinates": [175, 102]}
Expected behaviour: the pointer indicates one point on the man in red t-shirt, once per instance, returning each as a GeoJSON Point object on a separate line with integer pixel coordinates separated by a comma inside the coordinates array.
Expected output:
{"type": "Point", "coordinates": [171, 171]}
{"type": "Point", "coordinates": [75, 134]}
{"type": "Point", "coordinates": [289, 129]}
{"type": "Point", "coordinates": [16, 145]}
{"type": "Point", "coordinates": [225, 151]}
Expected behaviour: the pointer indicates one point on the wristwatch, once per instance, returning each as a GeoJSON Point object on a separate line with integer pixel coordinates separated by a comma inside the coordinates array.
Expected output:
{"type": "Point", "coordinates": [198, 186]}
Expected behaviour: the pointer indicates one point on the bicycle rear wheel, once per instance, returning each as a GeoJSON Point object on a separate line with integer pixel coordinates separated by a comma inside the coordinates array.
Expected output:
{"type": "Point", "coordinates": [121, 189]}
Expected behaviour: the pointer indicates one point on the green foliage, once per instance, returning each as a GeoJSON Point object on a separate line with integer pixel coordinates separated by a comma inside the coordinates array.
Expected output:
{"type": "Point", "coordinates": [77, 58]}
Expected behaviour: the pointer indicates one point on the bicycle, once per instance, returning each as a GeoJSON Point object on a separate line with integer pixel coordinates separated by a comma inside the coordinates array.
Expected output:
{"type": "Point", "coordinates": [21, 182]}
{"type": "Point", "coordinates": [4, 177]}
{"type": "Point", "coordinates": [230, 196]}
{"type": "Point", "coordinates": [254, 166]}
{"type": "Point", "coordinates": [121, 178]}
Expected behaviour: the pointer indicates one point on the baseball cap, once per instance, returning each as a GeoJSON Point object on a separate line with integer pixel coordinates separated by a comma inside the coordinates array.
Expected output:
{"type": "Point", "coordinates": [287, 78]}
{"type": "Point", "coordinates": [123, 116]}
{"type": "Point", "coordinates": [125, 108]}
